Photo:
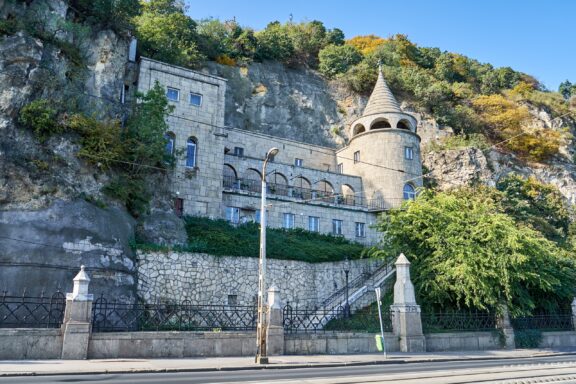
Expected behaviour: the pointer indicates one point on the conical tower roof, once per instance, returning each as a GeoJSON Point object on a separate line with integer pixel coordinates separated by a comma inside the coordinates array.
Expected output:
{"type": "Point", "coordinates": [381, 99]}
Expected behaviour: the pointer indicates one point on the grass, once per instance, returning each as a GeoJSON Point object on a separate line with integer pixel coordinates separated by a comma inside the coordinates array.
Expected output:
{"type": "Point", "coordinates": [219, 237]}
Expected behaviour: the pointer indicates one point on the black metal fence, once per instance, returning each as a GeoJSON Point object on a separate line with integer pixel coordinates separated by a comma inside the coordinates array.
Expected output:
{"type": "Point", "coordinates": [32, 311]}
{"type": "Point", "coordinates": [458, 322]}
{"type": "Point", "coordinates": [334, 319]}
{"type": "Point", "coordinates": [545, 322]}
{"type": "Point", "coordinates": [118, 317]}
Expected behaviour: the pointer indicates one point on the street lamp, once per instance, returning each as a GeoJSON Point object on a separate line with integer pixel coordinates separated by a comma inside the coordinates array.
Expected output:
{"type": "Point", "coordinates": [346, 272]}
{"type": "Point", "coordinates": [261, 356]}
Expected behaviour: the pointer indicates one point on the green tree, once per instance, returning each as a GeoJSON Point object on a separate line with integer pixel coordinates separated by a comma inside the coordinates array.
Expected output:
{"type": "Point", "coordinates": [567, 89]}
{"type": "Point", "coordinates": [466, 252]}
{"type": "Point", "coordinates": [115, 14]}
{"type": "Point", "coordinates": [166, 33]}
{"type": "Point", "coordinates": [274, 43]}
{"type": "Point", "coordinates": [538, 205]}
{"type": "Point", "coordinates": [336, 59]}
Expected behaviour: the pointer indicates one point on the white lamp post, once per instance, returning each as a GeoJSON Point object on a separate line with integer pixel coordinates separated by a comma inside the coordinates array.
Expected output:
{"type": "Point", "coordinates": [261, 356]}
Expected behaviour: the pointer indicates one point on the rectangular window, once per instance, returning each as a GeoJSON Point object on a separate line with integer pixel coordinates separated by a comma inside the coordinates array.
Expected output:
{"type": "Point", "coordinates": [179, 206]}
{"type": "Point", "coordinates": [232, 299]}
{"type": "Point", "coordinates": [195, 99]}
{"type": "Point", "coordinates": [340, 168]}
{"type": "Point", "coordinates": [233, 214]}
{"type": "Point", "coordinates": [408, 153]}
{"type": "Point", "coordinates": [360, 230]}
{"type": "Point", "coordinates": [337, 227]}
{"type": "Point", "coordinates": [238, 151]}
{"type": "Point", "coordinates": [313, 224]}
{"type": "Point", "coordinates": [288, 220]}
{"type": "Point", "coordinates": [298, 162]}
{"type": "Point", "coordinates": [357, 157]}
{"type": "Point", "coordinates": [173, 94]}
{"type": "Point", "coordinates": [257, 216]}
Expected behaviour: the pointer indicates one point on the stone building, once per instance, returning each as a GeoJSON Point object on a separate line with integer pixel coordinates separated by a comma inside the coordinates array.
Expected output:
{"type": "Point", "coordinates": [327, 190]}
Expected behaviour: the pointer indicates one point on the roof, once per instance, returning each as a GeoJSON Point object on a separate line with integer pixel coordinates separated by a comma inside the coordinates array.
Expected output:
{"type": "Point", "coordinates": [381, 99]}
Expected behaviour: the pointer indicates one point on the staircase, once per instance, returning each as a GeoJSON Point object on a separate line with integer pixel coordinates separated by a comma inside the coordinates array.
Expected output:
{"type": "Point", "coordinates": [360, 292]}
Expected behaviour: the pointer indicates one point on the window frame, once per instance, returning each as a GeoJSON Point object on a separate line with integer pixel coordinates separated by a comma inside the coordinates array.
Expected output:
{"type": "Point", "coordinates": [298, 162]}
{"type": "Point", "coordinates": [239, 151]}
{"type": "Point", "coordinates": [291, 222]}
{"type": "Point", "coordinates": [234, 216]}
{"type": "Point", "coordinates": [356, 157]}
{"type": "Point", "coordinates": [192, 141]}
{"type": "Point", "coordinates": [360, 229]}
{"type": "Point", "coordinates": [337, 225]}
{"type": "Point", "coordinates": [410, 194]}
{"type": "Point", "coordinates": [168, 89]}
{"type": "Point", "coordinates": [314, 224]}
{"type": "Point", "coordinates": [408, 153]}
{"type": "Point", "coordinates": [195, 94]}
{"type": "Point", "coordinates": [340, 168]}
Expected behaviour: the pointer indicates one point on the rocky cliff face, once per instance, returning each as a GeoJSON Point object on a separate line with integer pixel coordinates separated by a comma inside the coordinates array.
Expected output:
{"type": "Point", "coordinates": [47, 230]}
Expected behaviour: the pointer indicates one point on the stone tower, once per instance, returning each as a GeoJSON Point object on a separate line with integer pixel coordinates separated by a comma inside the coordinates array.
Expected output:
{"type": "Point", "coordinates": [384, 150]}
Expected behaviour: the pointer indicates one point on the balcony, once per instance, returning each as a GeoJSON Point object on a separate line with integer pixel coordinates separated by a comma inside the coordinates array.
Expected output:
{"type": "Point", "coordinates": [307, 195]}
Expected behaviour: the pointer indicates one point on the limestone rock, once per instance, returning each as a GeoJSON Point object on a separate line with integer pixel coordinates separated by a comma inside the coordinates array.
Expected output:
{"type": "Point", "coordinates": [162, 228]}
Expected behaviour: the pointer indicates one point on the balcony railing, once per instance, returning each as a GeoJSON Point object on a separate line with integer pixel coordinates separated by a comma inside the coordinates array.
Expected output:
{"type": "Point", "coordinates": [308, 194]}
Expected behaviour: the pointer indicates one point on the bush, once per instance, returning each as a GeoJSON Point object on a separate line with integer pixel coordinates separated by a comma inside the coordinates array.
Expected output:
{"type": "Point", "coordinates": [474, 140]}
{"type": "Point", "coordinates": [222, 238]}
{"type": "Point", "coordinates": [336, 59]}
{"type": "Point", "coordinates": [42, 118]}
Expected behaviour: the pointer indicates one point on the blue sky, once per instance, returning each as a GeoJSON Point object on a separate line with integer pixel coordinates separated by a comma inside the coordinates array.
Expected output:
{"type": "Point", "coordinates": [536, 37]}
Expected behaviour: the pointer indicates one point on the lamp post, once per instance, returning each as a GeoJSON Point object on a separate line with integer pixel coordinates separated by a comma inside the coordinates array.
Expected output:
{"type": "Point", "coordinates": [346, 272]}
{"type": "Point", "coordinates": [261, 356]}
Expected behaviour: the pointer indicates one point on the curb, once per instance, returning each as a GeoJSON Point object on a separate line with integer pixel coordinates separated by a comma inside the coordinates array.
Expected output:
{"type": "Point", "coordinates": [285, 366]}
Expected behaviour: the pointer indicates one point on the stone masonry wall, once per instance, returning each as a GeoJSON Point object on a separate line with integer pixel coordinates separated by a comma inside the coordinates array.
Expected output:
{"type": "Point", "coordinates": [207, 279]}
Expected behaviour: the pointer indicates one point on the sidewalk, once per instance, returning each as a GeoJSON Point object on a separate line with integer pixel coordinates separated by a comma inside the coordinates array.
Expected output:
{"type": "Point", "coordinates": [64, 367]}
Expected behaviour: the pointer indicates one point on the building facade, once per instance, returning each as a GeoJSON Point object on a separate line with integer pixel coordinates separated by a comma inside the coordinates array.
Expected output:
{"type": "Point", "coordinates": [321, 189]}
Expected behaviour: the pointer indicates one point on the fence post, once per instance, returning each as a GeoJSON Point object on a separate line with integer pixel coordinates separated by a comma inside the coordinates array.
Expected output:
{"type": "Point", "coordinates": [503, 323]}
{"type": "Point", "coordinates": [574, 314]}
{"type": "Point", "coordinates": [406, 320]}
{"type": "Point", "coordinates": [275, 328]}
{"type": "Point", "coordinates": [77, 326]}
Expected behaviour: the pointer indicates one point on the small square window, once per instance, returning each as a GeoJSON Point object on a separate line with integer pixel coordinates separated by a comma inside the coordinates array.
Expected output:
{"type": "Point", "coordinates": [195, 99]}
{"type": "Point", "coordinates": [173, 94]}
{"type": "Point", "coordinates": [288, 220]}
{"type": "Point", "coordinates": [337, 227]}
{"type": "Point", "coordinates": [298, 162]}
{"type": "Point", "coordinates": [360, 230]}
{"type": "Point", "coordinates": [232, 299]}
{"type": "Point", "coordinates": [357, 157]}
{"type": "Point", "coordinates": [408, 153]}
{"type": "Point", "coordinates": [340, 168]}
{"type": "Point", "coordinates": [238, 151]}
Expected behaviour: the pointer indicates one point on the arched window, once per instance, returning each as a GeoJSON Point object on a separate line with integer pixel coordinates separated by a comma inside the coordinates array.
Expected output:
{"type": "Point", "coordinates": [380, 124]}
{"type": "Point", "coordinates": [358, 128]}
{"type": "Point", "coordinates": [348, 196]}
{"type": "Point", "coordinates": [403, 124]}
{"type": "Point", "coordinates": [230, 177]}
{"type": "Point", "coordinates": [191, 149]}
{"type": "Point", "coordinates": [409, 192]}
{"type": "Point", "coordinates": [170, 139]}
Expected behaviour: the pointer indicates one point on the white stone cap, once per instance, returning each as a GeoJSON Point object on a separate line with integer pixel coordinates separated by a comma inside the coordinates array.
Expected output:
{"type": "Point", "coordinates": [80, 290]}
{"type": "Point", "coordinates": [402, 260]}
{"type": "Point", "coordinates": [274, 297]}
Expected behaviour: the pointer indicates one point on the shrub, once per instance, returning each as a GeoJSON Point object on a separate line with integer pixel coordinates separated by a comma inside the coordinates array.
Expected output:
{"type": "Point", "coordinates": [41, 117]}
{"type": "Point", "coordinates": [226, 60]}
{"type": "Point", "coordinates": [474, 140]}
{"type": "Point", "coordinates": [336, 59]}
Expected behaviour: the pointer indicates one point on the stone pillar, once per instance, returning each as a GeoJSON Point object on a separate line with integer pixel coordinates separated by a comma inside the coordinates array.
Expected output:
{"type": "Point", "coordinates": [574, 314]}
{"type": "Point", "coordinates": [406, 321]}
{"type": "Point", "coordinates": [275, 326]}
{"type": "Point", "coordinates": [77, 326]}
{"type": "Point", "coordinates": [503, 323]}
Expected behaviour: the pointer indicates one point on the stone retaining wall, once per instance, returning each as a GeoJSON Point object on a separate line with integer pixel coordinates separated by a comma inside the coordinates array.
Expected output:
{"type": "Point", "coordinates": [24, 344]}
{"type": "Point", "coordinates": [208, 279]}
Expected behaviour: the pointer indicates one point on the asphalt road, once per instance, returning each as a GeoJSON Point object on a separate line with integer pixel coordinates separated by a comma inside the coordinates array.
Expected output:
{"type": "Point", "coordinates": [556, 369]}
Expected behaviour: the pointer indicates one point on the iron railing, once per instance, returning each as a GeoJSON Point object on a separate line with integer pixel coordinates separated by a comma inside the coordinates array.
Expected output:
{"type": "Point", "coordinates": [308, 194]}
{"type": "Point", "coordinates": [458, 322]}
{"type": "Point", "coordinates": [32, 311]}
{"type": "Point", "coordinates": [119, 317]}
{"type": "Point", "coordinates": [547, 321]}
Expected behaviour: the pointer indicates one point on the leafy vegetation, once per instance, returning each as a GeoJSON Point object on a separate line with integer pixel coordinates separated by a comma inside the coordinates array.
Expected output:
{"type": "Point", "coordinates": [115, 14]}
{"type": "Point", "coordinates": [218, 237]}
{"type": "Point", "coordinates": [41, 117]}
{"type": "Point", "coordinates": [467, 252]}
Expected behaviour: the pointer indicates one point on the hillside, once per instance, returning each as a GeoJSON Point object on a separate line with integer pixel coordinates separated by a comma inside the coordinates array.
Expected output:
{"type": "Point", "coordinates": [294, 80]}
